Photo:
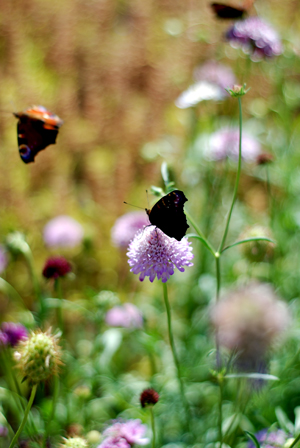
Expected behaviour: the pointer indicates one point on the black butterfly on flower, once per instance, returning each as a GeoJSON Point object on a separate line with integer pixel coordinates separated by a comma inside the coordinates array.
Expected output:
{"type": "Point", "coordinates": [168, 215]}
{"type": "Point", "coordinates": [37, 128]}
{"type": "Point", "coordinates": [224, 11]}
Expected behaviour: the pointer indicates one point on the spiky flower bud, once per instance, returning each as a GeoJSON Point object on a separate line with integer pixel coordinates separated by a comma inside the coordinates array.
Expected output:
{"type": "Point", "coordinates": [74, 442]}
{"type": "Point", "coordinates": [38, 356]}
{"type": "Point", "coordinates": [56, 267]}
{"type": "Point", "coordinates": [257, 250]}
{"type": "Point", "coordinates": [237, 90]}
{"type": "Point", "coordinates": [149, 397]}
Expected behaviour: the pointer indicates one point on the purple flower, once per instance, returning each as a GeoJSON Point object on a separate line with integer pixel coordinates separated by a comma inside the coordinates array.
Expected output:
{"type": "Point", "coordinates": [63, 231]}
{"type": "Point", "coordinates": [3, 338]}
{"type": "Point", "coordinates": [131, 431]}
{"type": "Point", "coordinates": [3, 259]}
{"type": "Point", "coordinates": [14, 332]}
{"type": "Point", "coordinates": [268, 439]}
{"type": "Point", "coordinates": [225, 143]}
{"type": "Point", "coordinates": [212, 79]}
{"type": "Point", "coordinates": [3, 431]}
{"type": "Point", "coordinates": [56, 267]}
{"type": "Point", "coordinates": [126, 227]}
{"type": "Point", "coordinates": [127, 316]}
{"type": "Point", "coordinates": [152, 253]}
{"type": "Point", "coordinates": [255, 37]}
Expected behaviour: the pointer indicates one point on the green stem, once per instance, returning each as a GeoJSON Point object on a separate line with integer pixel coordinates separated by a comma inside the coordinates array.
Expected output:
{"type": "Point", "coordinates": [218, 277]}
{"type": "Point", "coordinates": [29, 405]}
{"type": "Point", "coordinates": [175, 357]}
{"type": "Point", "coordinates": [57, 288]}
{"type": "Point", "coordinates": [30, 262]}
{"type": "Point", "coordinates": [153, 427]}
{"type": "Point", "coordinates": [220, 411]}
{"type": "Point", "coordinates": [237, 178]}
{"type": "Point", "coordinates": [54, 401]}
{"type": "Point", "coordinates": [295, 441]}
{"type": "Point", "coordinates": [207, 243]}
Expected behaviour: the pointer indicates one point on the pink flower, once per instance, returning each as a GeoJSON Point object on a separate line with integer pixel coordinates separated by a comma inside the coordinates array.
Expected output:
{"type": "Point", "coordinates": [124, 434]}
{"type": "Point", "coordinates": [154, 254]}
{"type": "Point", "coordinates": [225, 143]}
{"type": "Point", "coordinates": [63, 231]}
{"type": "Point", "coordinates": [126, 227]}
{"type": "Point", "coordinates": [127, 316]}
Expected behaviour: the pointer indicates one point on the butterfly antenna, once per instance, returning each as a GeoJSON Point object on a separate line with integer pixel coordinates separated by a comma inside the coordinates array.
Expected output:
{"type": "Point", "coordinates": [136, 206]}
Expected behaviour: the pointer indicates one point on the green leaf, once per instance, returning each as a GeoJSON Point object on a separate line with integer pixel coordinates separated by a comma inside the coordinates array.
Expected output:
{"type": "Point", "coordinates": [253, 438]}
{"type": "Point", "coordinates": [297, 419]}
{"type": "Point", "coordinates": [248, 240]}
{"type": "Point", "coordinates": [203, 241]}
{"type": "Point", "coordinates": [284, 421]}
{"type": "Point", "coordinates": [255, 376]}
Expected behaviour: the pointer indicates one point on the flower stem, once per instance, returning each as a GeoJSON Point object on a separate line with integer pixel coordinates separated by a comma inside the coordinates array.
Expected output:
{"type": "Point", "coordinates": [30, 262]}
{"type": "Point", "coordinates": [237, 178]}
{"type": "Point", "coordinates": [207, 243]}
{"type": "Point", "coordinates": [175, 357]}
{"type": "Point", "coordinates": [152, 426]}
{"type": "Point", "coordinates": [29, 405]}
{"type": "Point", "coordinates": [54, 401]}
{"type": "Point", "coordinates": [57, 288]}
{"type": "Point", "coordinates": [220, 421]}
{"type": "Point", "coordinates": [296, 440]}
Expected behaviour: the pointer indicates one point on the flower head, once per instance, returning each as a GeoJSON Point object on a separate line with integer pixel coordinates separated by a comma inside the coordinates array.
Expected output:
{"type": "Point", "coordinates": [38, 356]}
{"type": "Point", "coordinates": [257, 250]}
{"type": "Point", "coordinates": [63, 231]}
{"type": "Point", "coordinates": [225, 143]}
{"type": "Point", "coordinates": [153, 254]}
{"type": "Point", "coordinates": [3, 259]}
{"type": "Point", "coordinates": [74, 442]}
{"type": "Point", "coordinates": [211, 80]}
{"type": "Point", "coordinates": [126, 227]}
{"type": "Point", "coordinates": [14, 333]}
{"type": "Point", "coordinates": [125, 434]}
{"type": "Point", "coordinates": [255, 37]}
{"type": "Point", "coordinates": [270, 439]}
{"type": "Point", "coordinates": [127, 316]}
{"type": "Point", "coordinates": [264, 158]}
{"type": "Point", "coordinates": [56, 267]}
{"type": "Point", "coordinates": [149, 397]}
{"type": "Point", "coordinates": [248, 320]}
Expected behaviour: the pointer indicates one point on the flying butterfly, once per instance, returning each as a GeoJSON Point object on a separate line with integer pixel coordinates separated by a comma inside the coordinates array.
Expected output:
{"type": "Point", "coordinates": [225, 11]}
{"type": "Point", "coordinates": [168, 215]}
{"type": "Point", "coordinates": [37, 128]}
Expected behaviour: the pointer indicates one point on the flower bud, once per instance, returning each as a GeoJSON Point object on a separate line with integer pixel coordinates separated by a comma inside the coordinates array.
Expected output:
{"type": "Point", "coordinates": [38, 356]}
{"type": "Point", "coordinates": [149, 397]}
{"type": "Point", "coordinates": [74, 442]}
{"type": "Point", "coordinates": [17, 244]}
{"type": "Point", "coordinates": [56, 267]}
{"type": "Point", "coordinates": [257, 250]}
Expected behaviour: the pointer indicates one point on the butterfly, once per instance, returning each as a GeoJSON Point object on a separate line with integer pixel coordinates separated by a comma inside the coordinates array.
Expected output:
{"type": "Point", "coordinates": [224, 11]}
{"type": "Point", "coordinates": [37, 128]}
{"type": "Point", "coordinates": [168, 215]}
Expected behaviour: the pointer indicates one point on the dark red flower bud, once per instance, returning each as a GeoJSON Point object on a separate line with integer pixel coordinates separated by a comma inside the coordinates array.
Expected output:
{"type": "Point", "coordinates": [264, 158]}
{"type": "Point", "coordinates": [149, 397]}
{"type": "Point", "coordinates": [56, 267]}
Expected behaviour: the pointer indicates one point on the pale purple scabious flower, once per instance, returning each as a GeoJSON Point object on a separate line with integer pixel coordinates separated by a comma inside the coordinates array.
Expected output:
{"type": "Point", "coordinates": [153, 254]}
{"type": "Point", "coordinates": [126, 227]}
{"type": "Point", "coordinates": [3, 259]}
{"type": "Point", "coordinates": [212, 79]}
{"type": "Point", "coordinates": [124, 434]}
{"type": "Point", "coordinates": [127, 316]}
{"type": "Point", "coordinates": [255, 37]}
{"type": "Point", "coordinates": [14, 333]}
{"type": "Point", "coordinates": [3, 338]}
{"type": "Point", "coordinates": [225, 143]}
{"type": "Point", "coordinates": [63, 231]}
{"type": "Point", "coordinates": [270, 439]}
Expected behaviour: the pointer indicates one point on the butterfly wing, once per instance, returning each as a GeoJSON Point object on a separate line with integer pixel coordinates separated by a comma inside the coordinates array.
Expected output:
{"type": "Point", "coordinates": [168, 215]}
{"type": "Point", "coordinates": [37, 128]}
{"type": "Point", "coordinates": [223, 11]}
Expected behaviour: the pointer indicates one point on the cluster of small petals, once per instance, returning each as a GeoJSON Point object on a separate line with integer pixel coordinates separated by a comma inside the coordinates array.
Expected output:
{"type": "Point", "coordinates": [126, 315]}
{"type": "Point", "coordinates": [250, 318]}
{"type": "Point", "coordinates": [211, 80]}
{"type": "Point", "coordinates": [14, 333]}
{"type": "Point", "coordinates": [56, 267]}
{"type": "Point", "coordinates": [124, 434]}
{"type": "Point", "coordinates": [149, 397]}
{"type": "Point", "coordinates": [38, 356]}
{"type": "Point", "coordinates": [255, 37]}
{"type": "Point", "coordinates": [126, 227]}
{"type": "Point", "coordinates": [153, 254]}
{"type": "Point", "coordinates": [270, 439]}
{"type": "Point", "coordinates": [225, 143]}
{"type": "Point", "coordinates": [3, 259]}
{"type": "Point", "coordinates": [74, 442]}
{"type": "Point", "coordinates": [63, 231]}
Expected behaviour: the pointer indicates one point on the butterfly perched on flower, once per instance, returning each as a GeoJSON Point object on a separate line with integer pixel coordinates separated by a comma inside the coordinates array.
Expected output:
{"type": "Point", "coordinates": [168, 215]}
{"type": "Point", "coordinates": [37, 128]}
{"type": "Point", "coordinates": [225, 11]}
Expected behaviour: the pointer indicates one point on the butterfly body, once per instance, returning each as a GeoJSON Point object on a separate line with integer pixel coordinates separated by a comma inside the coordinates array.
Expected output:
{"type": "Point", "coordinates": [168, 215]}
{"type": "Point", "coordinates": [223, 11]}
{"type": "Point", "coordinates": [37, 128]}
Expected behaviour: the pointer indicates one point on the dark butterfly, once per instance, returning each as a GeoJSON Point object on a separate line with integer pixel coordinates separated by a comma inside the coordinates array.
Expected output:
{"type": "Point", "coordinates": [37, 128]}
{"type": "Point", "coordinates": [168, 215]}
{"type": "Point", "coordinates": [224, 11]}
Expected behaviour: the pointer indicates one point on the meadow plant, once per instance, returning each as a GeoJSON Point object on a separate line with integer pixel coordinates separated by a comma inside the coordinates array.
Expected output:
{"type": "Point", "coordinates": [126, 227]}
{"type": "Point", "coordinates": [63, 231]}
{"type": "Point", "coordinates": [126, 315]}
